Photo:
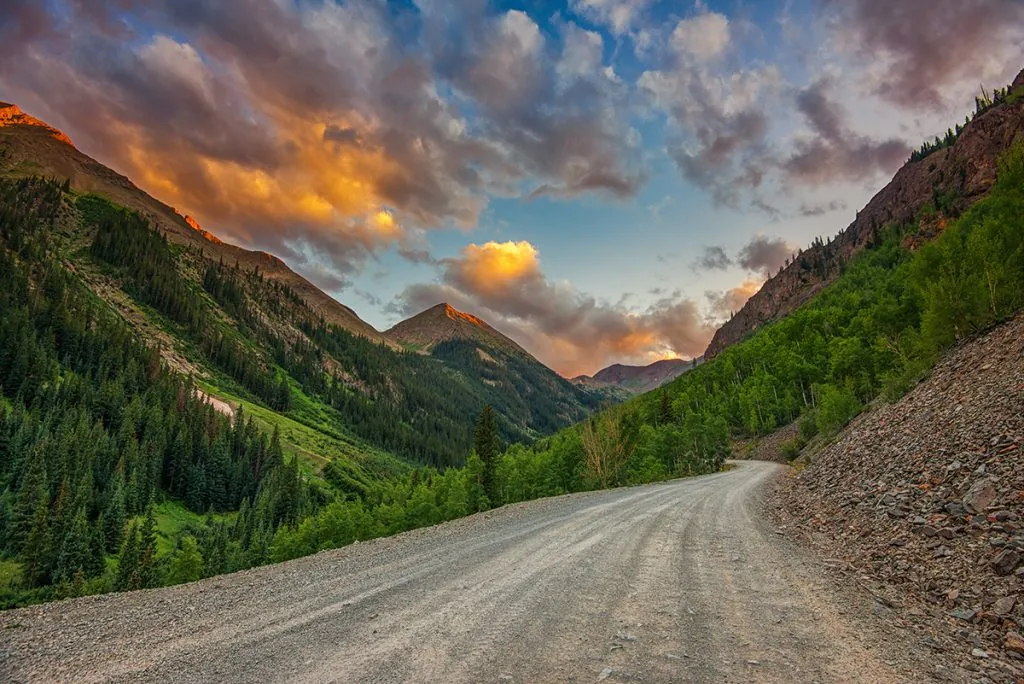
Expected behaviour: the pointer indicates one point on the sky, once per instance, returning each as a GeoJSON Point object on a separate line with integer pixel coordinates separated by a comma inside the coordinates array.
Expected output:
{"type": "Point", "coordinates": [602, 180]}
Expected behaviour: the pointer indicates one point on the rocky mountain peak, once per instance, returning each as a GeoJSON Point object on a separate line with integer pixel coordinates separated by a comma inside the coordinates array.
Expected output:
{"type": "Point", "coordinates": [11, 115]}
{"type": "Point", "coordinates": [445, 323]}
{"type": "Point", "coordinates": [1019, 81]}
{"type": "Point", "coordinates": [194, 225]}
{"type": "Point", "coordinates": [456, 315]}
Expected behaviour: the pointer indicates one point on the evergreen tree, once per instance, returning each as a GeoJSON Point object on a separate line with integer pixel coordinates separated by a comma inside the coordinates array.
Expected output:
{"type": "Point", "coordinates": [147, 551]}
{"type": "Point", "coordinates": [36, 551]}
{"type": "Point", "coordinates": [665, 416]}
{"type": "Point", "coordinates": [128, 560]}
{"type": "Point", "coordinates": [74, 551]}
{"type": "Point", "coordinates": [487, 448]}
{"type": "Point", "coordinates": [186, 563]}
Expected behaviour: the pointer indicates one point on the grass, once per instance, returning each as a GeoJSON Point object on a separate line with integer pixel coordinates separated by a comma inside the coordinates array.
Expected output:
{"type": "Point", "coordinates": [171, 518]}
{"type": "Point", "coordinates": [308, 432]}
{"type": "Point", "coordinates": [10, 572]}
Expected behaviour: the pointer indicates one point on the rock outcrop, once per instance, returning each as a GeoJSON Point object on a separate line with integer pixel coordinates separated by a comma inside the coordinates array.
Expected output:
{"type": "Point", "coordinates": [964, 172]}
{"type": "Point", "coordinates": [923, 502]}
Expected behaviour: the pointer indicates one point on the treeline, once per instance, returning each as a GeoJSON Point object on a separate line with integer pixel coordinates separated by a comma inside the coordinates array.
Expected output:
{"type": "Point", "coordinates": [94, 429]}
{"type": "Point", "coordinates": [608, 450]}
{"type": "Point", "coordinates": [982, 103]}
{"type": "Point", "coordinates": [876, 330]}
{"type": "Point", "coordinates": [100, 441]}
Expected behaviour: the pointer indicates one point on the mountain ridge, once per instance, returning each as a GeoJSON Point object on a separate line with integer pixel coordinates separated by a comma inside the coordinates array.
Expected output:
{"type": "Point", "coordinates": [29, 146]}
{"type": "Point", "coordinates": [949, 179]}
{"type": "Point", "coordinates": [639, 379]}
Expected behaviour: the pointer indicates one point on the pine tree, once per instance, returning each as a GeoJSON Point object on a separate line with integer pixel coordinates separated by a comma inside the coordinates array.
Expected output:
{"type": "Point", "coordinates": [147, 551]}
{"type": "Point", "coordinates": [114, 515]}
{"type": "Point", "coordinates": [128, 561]}
{"type": "Point", "coordinates": [665, 416]}
{"type": "Point", "coordinates": [186, 563]}
{"type": "Point", "coordinates": [487, 448]}
{"type": "Point", "coordinates": [33, 485]}
{"type": "Point", "coordinates": [74, 551]}
{"type": "Point", "coordinates": [36, 551]}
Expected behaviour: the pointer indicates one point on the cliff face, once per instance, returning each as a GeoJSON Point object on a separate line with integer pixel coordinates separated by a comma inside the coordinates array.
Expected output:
{"type": "Point", "coordinates": [962, 173]}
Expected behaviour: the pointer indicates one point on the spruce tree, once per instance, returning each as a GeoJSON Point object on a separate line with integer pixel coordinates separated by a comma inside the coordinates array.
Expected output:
{"type": "Point", "coordinates": [36, 551]}
{"type": "Point", "coordinates": [128, 561]}
{"type": "Point", "coordinates": [487, 448]}
{"type": "Point", "coordinates": [187, 562]}
{"type": "Point", "coordinates": [74, 551]}
{"type": "Point", "coordinates": [665, 416]}
{"type": "Point", "coordinates": [147, 551]}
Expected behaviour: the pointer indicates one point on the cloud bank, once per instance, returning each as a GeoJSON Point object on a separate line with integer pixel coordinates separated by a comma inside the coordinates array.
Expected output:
{"type": "Point", "coordinates": [572, 332]}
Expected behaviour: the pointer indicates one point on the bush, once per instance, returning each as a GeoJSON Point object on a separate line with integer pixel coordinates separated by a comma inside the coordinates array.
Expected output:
{"type": "Point", "coordinates": [791, 449]}
{"type": "Point", "coordinates": [836, 408]}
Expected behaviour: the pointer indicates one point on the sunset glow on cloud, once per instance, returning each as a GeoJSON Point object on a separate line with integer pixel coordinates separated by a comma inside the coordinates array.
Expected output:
{"type": "Point", "coordinates": [602, 180]}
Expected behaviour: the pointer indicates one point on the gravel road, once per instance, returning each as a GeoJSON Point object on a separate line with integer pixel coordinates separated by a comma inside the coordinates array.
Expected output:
{"type": "Point", "coordinates": [676, 582]}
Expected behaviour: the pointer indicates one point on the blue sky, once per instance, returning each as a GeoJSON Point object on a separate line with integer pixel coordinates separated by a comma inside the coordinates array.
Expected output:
{"type": "Point", "coordinates": [603, 180]}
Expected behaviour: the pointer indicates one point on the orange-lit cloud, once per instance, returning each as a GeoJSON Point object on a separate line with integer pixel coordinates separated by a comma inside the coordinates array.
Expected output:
{"type": "Point", "coordinates": [724, 304]}
{"type": "Point", "coordinates": [568, 330]}
{"type": "Point", "coordinates": [317, 130]}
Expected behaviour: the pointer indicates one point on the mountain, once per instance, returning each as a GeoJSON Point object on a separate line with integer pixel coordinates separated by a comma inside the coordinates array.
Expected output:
{"type": "Point", "coordinates": [29, 146]}
{"type": "Point", "coordinates": [255, 334]}
{"type": "Point", "coordinates": [444, 323]}
{"type": "Point", "coordinates": [639, 379]}
{"type": "Point", "coordinates": [930, 189]}
{"type": "Point", "coordinates": [519, 386]}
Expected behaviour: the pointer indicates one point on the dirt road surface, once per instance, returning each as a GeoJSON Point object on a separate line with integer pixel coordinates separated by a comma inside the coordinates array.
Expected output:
{"type": "Point", "coordinates": [677, 582]}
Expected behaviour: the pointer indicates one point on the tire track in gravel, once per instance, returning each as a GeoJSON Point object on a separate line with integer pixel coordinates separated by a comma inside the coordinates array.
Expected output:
{"type": "Point", "coordinates": [679, 581]}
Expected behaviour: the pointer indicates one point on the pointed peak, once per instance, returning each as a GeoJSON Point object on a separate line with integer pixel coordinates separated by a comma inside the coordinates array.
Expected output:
{"type": "Point", "coordinates": [11, 115]}
{"type": "Point", "coordinates": [456, 315]}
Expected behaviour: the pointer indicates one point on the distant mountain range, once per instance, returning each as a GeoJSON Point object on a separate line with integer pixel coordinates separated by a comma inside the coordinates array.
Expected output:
{"type": "Point", "coordinates": [638, 379]}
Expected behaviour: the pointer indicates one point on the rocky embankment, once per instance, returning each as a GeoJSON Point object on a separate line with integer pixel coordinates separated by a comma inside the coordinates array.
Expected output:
{"type": "Point", "coordinates": [922, 502]}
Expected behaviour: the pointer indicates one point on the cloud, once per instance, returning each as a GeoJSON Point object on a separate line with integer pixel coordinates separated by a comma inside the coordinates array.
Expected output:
{"type": "Point", "coordinates": [569, 330]}
{"type": "Point", "coordinates": [724, 304]}
{"type": "Point", "coordinates": [920, 52]}
{"type": "Point", "coordinates": [820, 209]}
{"type": "Point", "coordinates": [713, 258]}
{"type": "Point", "coordinates": [293, 127]}
{"type": "Point", "coordinates": [617, 15]}
{"type": "Point", "coordinates": [833, 152]}
{"type": "Point", "coordinates": [765, 254]}
{"type": "Point", "coordinates": [718, 114]}
{"type": "Point", "coordinates": [704, 36]}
